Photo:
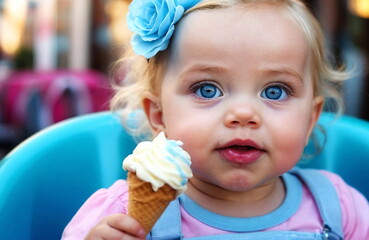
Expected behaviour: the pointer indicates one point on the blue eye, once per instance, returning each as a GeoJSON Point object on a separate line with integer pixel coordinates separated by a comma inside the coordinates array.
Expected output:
{"type": "Point", "coordinates": [276, 93]}
{"type": "Point", "coordinates": [208, 91]}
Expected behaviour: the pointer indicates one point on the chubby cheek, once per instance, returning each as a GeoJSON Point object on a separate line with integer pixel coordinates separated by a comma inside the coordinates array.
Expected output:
{"type": "Point", "coordinates": [183, 131]}
{"type": "Point", "coordinates": [289, 148]}
{"type": "Point", "coordinates": [189, 127]}
{"type": "Point", "coordinates": [193, 134]}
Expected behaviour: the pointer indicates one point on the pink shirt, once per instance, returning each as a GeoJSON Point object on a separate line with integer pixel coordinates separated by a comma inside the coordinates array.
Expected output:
{"type": "Point", "coordinates": [355, 213]}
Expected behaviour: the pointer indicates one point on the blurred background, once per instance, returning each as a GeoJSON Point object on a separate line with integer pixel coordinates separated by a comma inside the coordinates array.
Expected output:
{"type": "Point", "coordinates": [55, 57]}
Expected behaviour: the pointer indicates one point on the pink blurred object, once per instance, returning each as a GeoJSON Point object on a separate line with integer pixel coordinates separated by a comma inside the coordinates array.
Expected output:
{"type": "Point", "coordinates": [49, 97]}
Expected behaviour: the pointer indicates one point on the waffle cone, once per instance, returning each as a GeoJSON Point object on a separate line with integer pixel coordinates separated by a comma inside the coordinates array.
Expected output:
{"type": "Point", "coordinates": [146, 205]}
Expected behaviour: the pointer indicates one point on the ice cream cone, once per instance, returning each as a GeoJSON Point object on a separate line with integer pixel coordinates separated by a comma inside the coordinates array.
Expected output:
{"type": "Point", "coordinates": [158, 172]}
{"type": "Point", "coordinates": [146, 205]}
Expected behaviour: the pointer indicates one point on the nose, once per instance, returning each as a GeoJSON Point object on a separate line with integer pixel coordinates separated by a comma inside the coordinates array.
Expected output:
{"type": "Point", "coordinates": [243, 115]}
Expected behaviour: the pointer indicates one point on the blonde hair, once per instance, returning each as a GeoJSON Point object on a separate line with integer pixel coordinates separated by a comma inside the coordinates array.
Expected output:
{"type": "Point", "coordinates": [142, 75]}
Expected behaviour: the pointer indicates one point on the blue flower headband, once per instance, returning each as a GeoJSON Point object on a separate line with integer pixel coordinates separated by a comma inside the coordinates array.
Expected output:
{"type": "Point", "coordinates": [152, 22]}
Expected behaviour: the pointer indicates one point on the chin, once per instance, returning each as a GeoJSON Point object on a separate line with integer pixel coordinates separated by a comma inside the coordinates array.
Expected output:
{"type": "Point", "coordinates": [237, 184]}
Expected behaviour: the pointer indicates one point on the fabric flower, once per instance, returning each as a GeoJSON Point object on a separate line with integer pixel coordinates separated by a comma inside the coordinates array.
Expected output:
{"type": "Point", "coordinates": [152, 22]}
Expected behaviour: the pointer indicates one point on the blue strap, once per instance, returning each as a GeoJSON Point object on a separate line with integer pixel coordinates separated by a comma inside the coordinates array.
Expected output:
{"type": "Point", "coordinates": [326, 198]}
{"type": "Point", "coordinates": [169, 225]}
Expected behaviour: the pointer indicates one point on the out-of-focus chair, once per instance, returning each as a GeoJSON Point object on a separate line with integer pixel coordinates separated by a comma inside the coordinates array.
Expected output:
{"type": "Point", "coordinates": [45, 179]}
{"type": "Point", "coordinates": [345, 150]}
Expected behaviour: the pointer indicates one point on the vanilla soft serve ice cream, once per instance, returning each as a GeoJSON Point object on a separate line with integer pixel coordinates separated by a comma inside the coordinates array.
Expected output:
{"type": "Point", "coordinates": [160, 162]}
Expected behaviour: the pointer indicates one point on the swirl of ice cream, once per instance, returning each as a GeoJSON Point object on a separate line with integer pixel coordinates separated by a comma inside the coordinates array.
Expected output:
{"type": "Point", "coordinates": [160, 162]}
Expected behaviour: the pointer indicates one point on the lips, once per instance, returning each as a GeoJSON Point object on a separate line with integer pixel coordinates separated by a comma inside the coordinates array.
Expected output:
{"type": "Point", "coordinates": [241, 151]}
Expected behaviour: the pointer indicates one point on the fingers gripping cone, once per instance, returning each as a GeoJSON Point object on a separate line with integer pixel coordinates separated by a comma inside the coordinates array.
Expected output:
{"type": "Point", "coordinates": [146, 205]}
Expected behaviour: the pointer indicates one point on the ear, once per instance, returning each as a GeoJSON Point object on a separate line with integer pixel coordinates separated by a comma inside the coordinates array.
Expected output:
{"type": "Point", "coordinates": [153, 111]}
{"type": "Point", "coordinates": [317, 109]}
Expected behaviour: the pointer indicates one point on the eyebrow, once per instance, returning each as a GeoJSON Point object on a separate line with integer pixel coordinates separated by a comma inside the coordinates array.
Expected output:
{"type": "Point", "coordinates": [285, 70]}
{"type": "Point", "coordinates": [202, 68]}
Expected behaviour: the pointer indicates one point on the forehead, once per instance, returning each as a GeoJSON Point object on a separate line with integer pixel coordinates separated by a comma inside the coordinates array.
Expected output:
{"type": "Point", "coordinates": [239, 34]}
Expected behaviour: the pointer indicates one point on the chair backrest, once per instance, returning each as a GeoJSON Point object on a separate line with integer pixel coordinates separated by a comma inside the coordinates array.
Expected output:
{"type": "Point", "coordinates": [47, 178]}
{"type": "Point", "coordinates": [345, 152]}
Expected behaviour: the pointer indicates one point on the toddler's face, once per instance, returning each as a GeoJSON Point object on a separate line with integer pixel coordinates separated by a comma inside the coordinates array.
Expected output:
{"type": "Point", "coordinates": [239, 94]}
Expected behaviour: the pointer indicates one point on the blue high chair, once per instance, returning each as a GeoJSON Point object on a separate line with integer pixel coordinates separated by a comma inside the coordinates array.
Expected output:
{"type": "Point", "coordinates": [345, 150]}
{"type": "Point", "coordinates": [47, 178]}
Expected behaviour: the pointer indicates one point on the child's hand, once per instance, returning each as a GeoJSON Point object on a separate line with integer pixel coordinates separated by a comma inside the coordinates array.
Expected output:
{"type": "Point", "coordinates": [117, 226]}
